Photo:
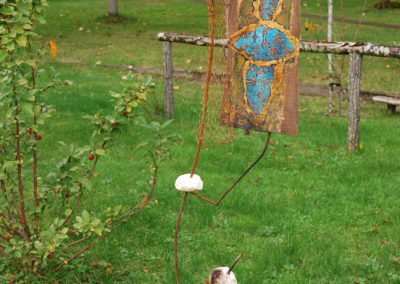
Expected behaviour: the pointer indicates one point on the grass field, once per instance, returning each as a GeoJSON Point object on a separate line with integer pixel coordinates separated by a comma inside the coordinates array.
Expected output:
{"type": "Point", "coordinates": [310, 212]}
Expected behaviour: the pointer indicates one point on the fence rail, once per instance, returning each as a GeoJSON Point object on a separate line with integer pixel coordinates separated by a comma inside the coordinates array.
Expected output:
{"type": "Point", "coordinates": [305, 46]}
{"type": "Point", "coordinates": [355, 50]}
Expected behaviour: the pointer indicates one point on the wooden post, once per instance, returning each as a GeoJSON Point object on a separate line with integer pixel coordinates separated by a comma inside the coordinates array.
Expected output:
{"type": "Point", "coordinates": [168, 79]}
{"type": "Point", "coordinates": [353, 134]}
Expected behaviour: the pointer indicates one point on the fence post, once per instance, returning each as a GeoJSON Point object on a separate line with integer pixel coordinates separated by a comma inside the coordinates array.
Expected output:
{"type": "Point", "coordinates": [353, 133]}
{"type": "Point", "coordinates": [168, 73]}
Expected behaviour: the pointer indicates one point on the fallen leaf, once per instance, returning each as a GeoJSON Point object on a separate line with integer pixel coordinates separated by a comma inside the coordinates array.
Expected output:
{"type": "Point", "coordinates": [395, 259]}
{"type": "Point", "coordinates": [290, 157]}
{"type": "Point", "coordinates": [53, 48]}
{"type": "Point", "coordinates": [311, 27]}
{"type": "Point", "coordinates": [146, 270]}
{"type": "Point", "coordinates": [319, 164]}
{"type": "Point", "coordinates": [384, 242]}
{"type": "Point", "coordinates": [374, 229]}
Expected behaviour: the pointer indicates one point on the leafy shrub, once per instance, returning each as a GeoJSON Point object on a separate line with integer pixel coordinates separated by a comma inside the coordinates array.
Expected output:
{"type": "Point", "coordinates": [42, 225]}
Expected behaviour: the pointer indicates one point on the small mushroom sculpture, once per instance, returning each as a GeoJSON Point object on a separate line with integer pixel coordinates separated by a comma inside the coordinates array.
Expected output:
{"type": "Point", "coordinates": [223, 275]}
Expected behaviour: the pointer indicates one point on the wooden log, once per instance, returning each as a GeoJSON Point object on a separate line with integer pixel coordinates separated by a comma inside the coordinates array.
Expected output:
{"type": "Point", "coordinates": [168, 81]}
{"type": "Point", "coordinates": [353, 131]}
{"type": "Point", "coordinates": [194, 40]}
{"type": "Point", "coordinates": [305, 46]}
{"type": "Point", "coordinates": [351, 47]}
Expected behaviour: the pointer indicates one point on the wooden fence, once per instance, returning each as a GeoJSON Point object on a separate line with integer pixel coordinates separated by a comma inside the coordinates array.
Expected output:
{"type": "Point", "coordinates": [356, 51]}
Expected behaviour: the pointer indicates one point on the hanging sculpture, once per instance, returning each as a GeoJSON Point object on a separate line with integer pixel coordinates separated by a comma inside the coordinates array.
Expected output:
{"type": "Point", "coordinates": [261, 84]}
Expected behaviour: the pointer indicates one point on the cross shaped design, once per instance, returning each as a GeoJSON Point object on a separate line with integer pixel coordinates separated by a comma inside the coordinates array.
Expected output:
{"type": "Point", "coordinates": [266, 46]}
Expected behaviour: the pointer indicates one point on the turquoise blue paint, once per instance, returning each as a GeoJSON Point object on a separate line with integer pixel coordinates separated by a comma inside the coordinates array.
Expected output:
{"type": "Point", "coordinates": [265, 44]}
{"type": "Point", "coordinates": [268, 8]}
{"type": "Point", "coordinates": [259, 82]}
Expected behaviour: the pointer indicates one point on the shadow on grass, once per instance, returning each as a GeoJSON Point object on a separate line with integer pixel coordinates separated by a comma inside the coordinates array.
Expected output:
{"type": "Point", "coordinates": [387, 4]}
{"type": "Point", "coordinates": [116, 19]}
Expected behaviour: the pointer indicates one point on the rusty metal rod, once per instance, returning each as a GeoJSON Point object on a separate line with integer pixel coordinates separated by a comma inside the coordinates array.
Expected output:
{"type": "Point", "coordinates": [178, 222]}
{"type": "Point", "coordinates": [234, 262]}
{"type": "Point", "coordinates": [239, 179]}
{"type": "Point", "coordinates": [210, 61]}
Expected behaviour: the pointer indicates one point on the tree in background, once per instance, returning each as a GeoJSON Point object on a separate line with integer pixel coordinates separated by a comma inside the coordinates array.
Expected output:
{"type": "Point", "coordinates": [113, 7]}
{"type": "Point", "coordinates": [385, 4]}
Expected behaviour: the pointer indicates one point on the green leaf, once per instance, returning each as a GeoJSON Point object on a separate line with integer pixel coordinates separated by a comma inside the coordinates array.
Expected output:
{"type": "Point", "coordinates": [22, 81]}
{"type": "Point", "coordinates": [85, 216]}
{"type": "Point", "coordinates": [7, 10]}
{"type": "Point", "coordinates": [3, 54]}
{"type": "Point", "coordinates": [84, 149]}
{"type": "Point", "coordinates": [33, 92]}
{"type": "Point", "coordinates": [141, 145]}
{"type": "Point", "coordinates": [68, 212]}
{"type": "Point", "coordinates": [22, 41]}
{"type": "Point", "coordinates": [28, 108]}
{"type": "Point", "coordinates": [37, 111]}
{"type": "Point", "coordinates": [31, 63]}
{"type": "Point", "coordinates": [102, 263]}
{"type": "Point", "coordinates": [149, 126]}
{"type": "Point", "coordinates": [100, 152]}
{"type": "Point", "coordinates": [165, 124]}
{"type": "Point", "coordinates": [98, 231]}
{"type": "Point", "coordinates": [19, 61]}
{"type": "Point", "coordinates": [41, 19]}
{"type": "Point", "coordinates": [11, 46]}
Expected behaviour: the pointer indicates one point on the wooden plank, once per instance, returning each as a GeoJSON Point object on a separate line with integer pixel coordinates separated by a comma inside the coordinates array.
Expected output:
{"type": "Point", "coordinates": [387, 100]}
{"type": "Point", "coordinates": [168, 81]}
{"type": "Point", "coordinates": [263, 64]}
{"type": "Point", "coordinates": [353, 131]}
{"type": "Point", "coordinates": [391, 102]}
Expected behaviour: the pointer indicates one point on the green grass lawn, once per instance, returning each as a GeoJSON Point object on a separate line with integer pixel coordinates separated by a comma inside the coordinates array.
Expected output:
{"type": "Point", "coordinates": [310, 212]}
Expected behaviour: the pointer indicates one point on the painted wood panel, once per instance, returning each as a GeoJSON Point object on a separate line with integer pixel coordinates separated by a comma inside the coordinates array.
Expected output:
{"type": "Point", "coordinates": [261, 89]}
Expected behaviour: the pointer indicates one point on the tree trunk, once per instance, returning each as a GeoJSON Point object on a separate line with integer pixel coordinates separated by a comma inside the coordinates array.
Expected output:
{"type": "Point", "coordinates": [330, 68]}
{"type": "Point", "coordinates": [113, 7]}
{"type": "Point", "coordinates": [168, 79]}
{"type": "Point", "coordinates": [353, 132]}
{"type": "Point", "coordinates": [383, 4]}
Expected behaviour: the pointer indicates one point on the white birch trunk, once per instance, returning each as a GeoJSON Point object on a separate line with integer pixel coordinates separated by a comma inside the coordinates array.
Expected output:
{"type": "Point", "coordinates": [330, 68]}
